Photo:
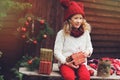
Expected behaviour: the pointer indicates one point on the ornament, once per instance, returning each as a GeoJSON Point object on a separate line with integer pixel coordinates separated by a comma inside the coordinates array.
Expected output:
{"type": "Point", "coordinates": [30, 61]}
{"type": "Point", "coordinates": [35, 42]}
{"type": "Point", "coordinates": [44, 36]}
{"type": "Point", "coordinates": [29, 18]}
{"type": "Point", "coordinates": [42, 21]}
{"type": "Point", "coordinates": [26, 23]}
{"type": "Point", "coordinates": [23, 29]}
{"type": "Point", "coordinates": [23, 36]}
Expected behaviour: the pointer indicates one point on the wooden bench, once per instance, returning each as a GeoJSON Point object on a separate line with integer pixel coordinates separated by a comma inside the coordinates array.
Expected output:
{"type": "Point", "coordinates": [55, 73]}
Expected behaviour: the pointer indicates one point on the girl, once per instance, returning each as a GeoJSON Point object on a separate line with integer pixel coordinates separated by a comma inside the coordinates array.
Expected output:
{"type": "Point", "coordinates": [73, 38]}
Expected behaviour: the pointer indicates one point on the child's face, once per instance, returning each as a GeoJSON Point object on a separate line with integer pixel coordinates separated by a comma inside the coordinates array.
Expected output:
{"type": "Point", "coordinates": [76, 20]}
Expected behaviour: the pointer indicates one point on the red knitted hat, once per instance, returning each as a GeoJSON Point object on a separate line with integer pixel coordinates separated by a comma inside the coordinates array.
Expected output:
{"type": "Point", "coordinates": [71, 8]}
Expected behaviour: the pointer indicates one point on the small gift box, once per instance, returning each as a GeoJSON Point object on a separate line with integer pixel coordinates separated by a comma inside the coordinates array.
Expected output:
{"type": "Point", "coordinates": [78, 58]}
{"type": "Point", "coordinates": [45, 67]}
{"type": "Point", "coordinates": [46, 54]}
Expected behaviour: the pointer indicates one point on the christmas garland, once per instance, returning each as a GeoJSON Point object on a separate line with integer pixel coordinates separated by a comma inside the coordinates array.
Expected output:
{"type": "Point", "coordinates": [34, 30]}
{"type": "Point", "coordinates": [31, 63]}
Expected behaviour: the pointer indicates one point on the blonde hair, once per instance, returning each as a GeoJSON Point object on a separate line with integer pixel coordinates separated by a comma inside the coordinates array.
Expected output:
{"type": "Point", "coordinates": [67, 27]}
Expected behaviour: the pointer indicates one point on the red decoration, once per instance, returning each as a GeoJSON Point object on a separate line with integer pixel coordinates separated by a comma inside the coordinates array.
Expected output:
{"type": "Point", "coordinates": [42, 21]}
{"type": "Point", "coordinates": [23, 36]}
{"type": "Point", "coordinates": [26, 23]}
{"type": "Point", "coordinates": [23, 29]}
{"type": "Point", "coordinates": [30, 61]}
{"type": "Point", "coordinates": [35, 42]}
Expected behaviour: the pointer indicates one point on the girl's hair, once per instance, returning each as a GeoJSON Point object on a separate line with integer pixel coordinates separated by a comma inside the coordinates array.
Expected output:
{"type": "Point", "coordinates": [67, 26]}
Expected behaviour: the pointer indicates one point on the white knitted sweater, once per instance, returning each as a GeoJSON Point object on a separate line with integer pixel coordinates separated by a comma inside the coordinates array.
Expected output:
{"type": "Point", "coordinates": [67, 45]}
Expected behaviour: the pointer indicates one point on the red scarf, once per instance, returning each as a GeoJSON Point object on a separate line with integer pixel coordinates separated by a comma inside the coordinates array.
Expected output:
{"type": "Point", "coordinates": [77, 32]}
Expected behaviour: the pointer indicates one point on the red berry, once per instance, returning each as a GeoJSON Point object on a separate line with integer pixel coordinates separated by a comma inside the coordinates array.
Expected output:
{"type": "Point", "coordinates": [23, 29]}
{"type": "Point", "coordinates": [35, 42]}
{"type": "Point", "coordinates": [30, 61]}
{"type": "Point", "coordinates": [26, 23]}
{"type": "Point", "coordinates": [23, 36]}
{"type": "Point", "coordinates": [42, 21]}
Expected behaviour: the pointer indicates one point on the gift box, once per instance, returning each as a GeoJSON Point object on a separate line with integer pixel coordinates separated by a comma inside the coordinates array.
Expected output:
{"type": "Point", "coordinates": [46, 54]}
{"type": "Point", "coordinates": [45, 67]}
{"type": "Point", "coordinates": [79, 61]}
{"type": "Point", "coordinates": [78, 58]}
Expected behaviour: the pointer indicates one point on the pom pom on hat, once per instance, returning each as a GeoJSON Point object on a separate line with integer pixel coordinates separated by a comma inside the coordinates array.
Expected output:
{"type": "Point", "coordinates": [81, 6]}
{"type": "Point", "coordinates": [72, 8]}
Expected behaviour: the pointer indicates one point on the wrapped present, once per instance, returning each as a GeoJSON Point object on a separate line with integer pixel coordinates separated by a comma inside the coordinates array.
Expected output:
{"type": "Point", "coordinates": [79, 61]}
{"type": "Point", "coordinates": [45, 67]}
{"type": "Point", "coordinates": [46, 54]}
{"type": "Point", "coordinates": [78, 58]}
{"type": "Point", "coordinates": [104, 67]}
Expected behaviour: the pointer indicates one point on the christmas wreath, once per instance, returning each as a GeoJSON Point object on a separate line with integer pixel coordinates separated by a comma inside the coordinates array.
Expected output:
{"type": "Point", "coordinates": [34, 29]}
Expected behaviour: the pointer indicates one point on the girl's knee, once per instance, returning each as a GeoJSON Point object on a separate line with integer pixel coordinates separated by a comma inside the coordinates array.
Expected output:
{"type": "Point", "coordinates": [83, 73]}
{"type": "Point", "coordinates": [67, 72]}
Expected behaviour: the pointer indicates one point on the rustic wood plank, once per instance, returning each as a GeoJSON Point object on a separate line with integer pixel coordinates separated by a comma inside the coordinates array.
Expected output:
{"type": "Point", "coordinates": [105, 38]}
{"type": "Point", "coordinates": [105, 44]}
{"type": "Point", "coordinates": [106, 32]}
{"type": "Point", "coordinates": [103, 2]}
{"type": "Point", "coordinates": [104, 13]}
{"type": "Point", "coordinates": [106, 50]}
{"type": "Point", "coordinates": [99, 54]}
{"type": "Point", "coordinates": [101, 7]}
{"type": "Point", "coordinates": [103, 25]}
{"type": "Point", "coordinates": [102, 19]}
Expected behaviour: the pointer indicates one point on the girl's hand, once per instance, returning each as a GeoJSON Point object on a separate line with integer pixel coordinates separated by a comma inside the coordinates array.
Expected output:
{"type": "Point", "coordinates": [86, 53]}
{"type": "Point", "coordinates": [70, 64]}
